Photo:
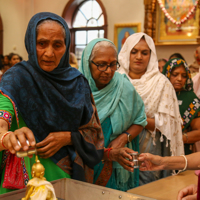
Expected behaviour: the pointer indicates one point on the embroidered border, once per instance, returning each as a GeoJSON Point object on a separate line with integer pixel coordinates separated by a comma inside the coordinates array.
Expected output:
{"type": "Point", "coordinates": [190, 111]}
{"type": "Point", "coordinates": [14, 106]}
{"type": "Point", "coordinates": [6, 116]}
{"type": "Point", "coordinates": [25, 173]}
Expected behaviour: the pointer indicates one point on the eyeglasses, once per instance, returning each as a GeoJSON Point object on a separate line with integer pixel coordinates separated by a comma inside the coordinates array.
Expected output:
{"type": "Point", "coordinates": [104, 66]}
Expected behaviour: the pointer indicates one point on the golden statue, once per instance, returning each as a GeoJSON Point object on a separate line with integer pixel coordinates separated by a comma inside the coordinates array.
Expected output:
{"type": "Point", "coordinates": [38, 187]}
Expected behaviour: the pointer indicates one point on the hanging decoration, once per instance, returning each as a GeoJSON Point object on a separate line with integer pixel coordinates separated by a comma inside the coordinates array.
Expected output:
{"type": "Point", "coordinates": [178, 23]}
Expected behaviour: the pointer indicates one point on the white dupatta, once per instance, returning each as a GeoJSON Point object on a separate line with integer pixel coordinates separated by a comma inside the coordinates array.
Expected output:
{"type": "Point", "coordinates": [157, 93]}
{"type": "Point", "coordinates": [196, 84]}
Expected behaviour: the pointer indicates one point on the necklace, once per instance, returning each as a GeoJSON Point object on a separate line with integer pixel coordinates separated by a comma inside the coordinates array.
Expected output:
{"type": "Point", "coordinates": [178, 23]}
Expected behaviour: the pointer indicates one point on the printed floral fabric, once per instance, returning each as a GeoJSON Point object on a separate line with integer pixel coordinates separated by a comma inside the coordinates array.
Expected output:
{"type": "Point", "coordinates": [176, 62]}
{"type": "Point", "coordinates": [189, 103]}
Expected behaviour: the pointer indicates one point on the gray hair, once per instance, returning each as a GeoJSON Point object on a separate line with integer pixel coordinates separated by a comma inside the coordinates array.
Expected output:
{"type": "Point", "coordinates": [100, 44]}
{"type": "Point", "coordinates": [50, 21]}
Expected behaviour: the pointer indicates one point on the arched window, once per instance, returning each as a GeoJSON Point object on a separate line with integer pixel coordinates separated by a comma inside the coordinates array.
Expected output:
{"type": "Point", "coordinates": [87, 21]}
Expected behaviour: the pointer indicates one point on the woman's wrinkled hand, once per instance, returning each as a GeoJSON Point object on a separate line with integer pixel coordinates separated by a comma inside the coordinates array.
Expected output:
{"type": "Point", "coordinates": [10, 141]}
{"type": "Point", "coordinates": [122, 156]}
{"type": "Point", "coordinates": [119, 142]}
{"type": "Point", "coordinates": [188, 193]}
{"type": "Point", "coordinates": [150, 162]}
{"type": "Point", "coordinates": [52, 143]}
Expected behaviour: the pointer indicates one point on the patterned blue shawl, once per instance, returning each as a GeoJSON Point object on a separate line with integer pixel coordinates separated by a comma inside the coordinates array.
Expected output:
{"type": "Point", "coordinates": [52, 101]}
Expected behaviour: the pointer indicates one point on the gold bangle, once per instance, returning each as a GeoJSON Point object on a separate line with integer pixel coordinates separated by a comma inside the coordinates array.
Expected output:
{"type": "Point", "coordinates": [3, 136]}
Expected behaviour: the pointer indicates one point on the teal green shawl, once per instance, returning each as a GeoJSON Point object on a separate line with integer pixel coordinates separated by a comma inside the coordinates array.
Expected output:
{"type": "Point", "coordinates": [118, 100]}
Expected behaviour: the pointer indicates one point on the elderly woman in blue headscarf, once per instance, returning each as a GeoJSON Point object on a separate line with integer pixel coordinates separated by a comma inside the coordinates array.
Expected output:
{"type": "Point", "coordinates": [47, 102]}
{"type": "Point", "coordinates": [121, 113]}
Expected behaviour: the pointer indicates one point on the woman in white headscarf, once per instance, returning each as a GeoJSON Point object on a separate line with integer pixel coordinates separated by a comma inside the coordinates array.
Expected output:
{"type": "Point", "coordinates": [162, 135]}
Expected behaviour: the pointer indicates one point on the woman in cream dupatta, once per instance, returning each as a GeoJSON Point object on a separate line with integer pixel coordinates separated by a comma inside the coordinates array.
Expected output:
{"type": "Point", "coordinates": [160, 102]}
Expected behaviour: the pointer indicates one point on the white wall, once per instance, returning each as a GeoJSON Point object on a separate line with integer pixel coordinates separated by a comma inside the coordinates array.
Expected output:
{"type": "Point", "coordinates": [16, 14]}
{"type": "Point", "coordinates": [123, 11]}
{"type": "Point", "coordinates": [187, 51]}
{"type": "Point", "coordinates": [13, 14]}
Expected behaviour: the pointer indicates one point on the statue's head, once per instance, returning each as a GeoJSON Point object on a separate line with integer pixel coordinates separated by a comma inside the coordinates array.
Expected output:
{"type": "Point", "coordinates": [37, 169]}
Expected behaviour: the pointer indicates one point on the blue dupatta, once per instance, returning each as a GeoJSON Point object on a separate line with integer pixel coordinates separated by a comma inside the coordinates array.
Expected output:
{"type": "Point", "coordinates": [55, 101]}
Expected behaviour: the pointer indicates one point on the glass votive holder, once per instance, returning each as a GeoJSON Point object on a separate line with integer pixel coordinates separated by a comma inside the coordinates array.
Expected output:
{"type": "Point", "coordinates": [135, 160]}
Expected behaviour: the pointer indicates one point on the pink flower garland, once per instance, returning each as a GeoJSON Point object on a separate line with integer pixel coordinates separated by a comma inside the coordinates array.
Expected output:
{"type": "Point", "coordinates": [178, 23]}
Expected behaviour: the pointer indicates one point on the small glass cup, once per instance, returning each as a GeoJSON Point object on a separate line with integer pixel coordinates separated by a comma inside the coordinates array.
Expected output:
{"type": "Point", "coordinates": [135, 160]}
